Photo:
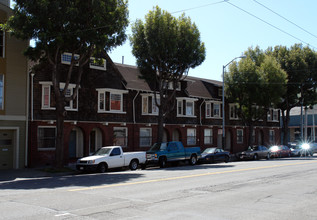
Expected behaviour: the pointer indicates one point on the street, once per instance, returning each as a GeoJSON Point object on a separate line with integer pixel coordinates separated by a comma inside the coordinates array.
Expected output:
{"type": "Point", "coordinates": [264, 189]}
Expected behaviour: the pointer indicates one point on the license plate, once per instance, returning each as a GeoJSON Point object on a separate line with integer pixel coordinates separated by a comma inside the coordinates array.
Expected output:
{"type": "Point", "coordinates": [81, 168]}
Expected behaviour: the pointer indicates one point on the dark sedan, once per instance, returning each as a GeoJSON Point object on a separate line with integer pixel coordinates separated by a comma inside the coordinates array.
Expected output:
{"type": "Point", "coordinates": [211, 155]}
{"type": "Point", "coordinates": [254, 152]}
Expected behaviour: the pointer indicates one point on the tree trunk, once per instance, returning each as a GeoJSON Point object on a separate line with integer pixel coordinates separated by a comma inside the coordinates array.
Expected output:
{"type": "Point", "coordinates": [59, 150]}
{"type": "Point", "coordinates": [160, 128]}
{"type": "Point", "coordinates": [250, 141]}
{"type": "Point", "coordinates": [285, 119]}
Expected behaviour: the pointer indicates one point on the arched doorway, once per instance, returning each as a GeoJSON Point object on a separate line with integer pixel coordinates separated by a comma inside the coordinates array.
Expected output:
{"type": "Point", "coordinates": [260, 138]}
{"type": "Point", "coordinates": [76, 143]}
{"type": "Point", "coordinates": [95, 140]}
{"type": "Point", "coordinates": [165, 136]}
{"type": "Point", "coordinates": [228, 141]}
{"type": "Point", "coordinates": [176, 135]}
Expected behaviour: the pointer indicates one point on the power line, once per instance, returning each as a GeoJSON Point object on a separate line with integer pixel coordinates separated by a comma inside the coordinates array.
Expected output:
{"type": "Point", "coordinates": [241, 9]}
{"type": "Point", "coordinates": [285, 18]}
{"type": "Point", "coordinates": [202, 6]}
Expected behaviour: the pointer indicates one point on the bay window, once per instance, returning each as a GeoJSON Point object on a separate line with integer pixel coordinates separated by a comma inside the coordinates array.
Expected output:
{"type": "Point", "coordinates": [110, 100]}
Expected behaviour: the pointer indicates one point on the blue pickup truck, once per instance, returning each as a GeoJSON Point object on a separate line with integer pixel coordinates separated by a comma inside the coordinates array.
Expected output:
{"type": "Point", "coordinates": [161, 153]}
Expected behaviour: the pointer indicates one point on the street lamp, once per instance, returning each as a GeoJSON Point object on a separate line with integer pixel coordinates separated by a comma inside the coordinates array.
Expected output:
{"type": "Point", "coordinates": [223, 99]}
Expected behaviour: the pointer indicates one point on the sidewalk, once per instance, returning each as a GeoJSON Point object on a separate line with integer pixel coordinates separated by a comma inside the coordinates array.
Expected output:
{"type": "Point", "coordinates": [28, 173]}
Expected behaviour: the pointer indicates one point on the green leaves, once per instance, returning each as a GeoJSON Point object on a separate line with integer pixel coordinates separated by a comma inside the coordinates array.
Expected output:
{"type": "Point", "coordinates": [166, 44]}
{"type": "Point", "coordinates": [257, 80]}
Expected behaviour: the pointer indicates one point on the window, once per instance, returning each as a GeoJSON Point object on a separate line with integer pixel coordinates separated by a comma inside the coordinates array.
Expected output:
{"type": "Point", "coordinates": [66, 58]}
{"type": "Point", "coordinates": [115, 152]}
{"type": "Point", "coordinates": [120, 137]}
{"type": "Point", "coordinates": [99, 64]}
{"type": "Point", "coordinates": [95, 63]}
{"type": "Point", "coordinates": [220, 92]}
{"type": "Point", "coordinates": [2, 43]}
{"type": "Point", "coordinates": [110, 100]}
{"type": "Point", "coordinates": [186, 107]}
{"type": "Point", "coordinates": [145, 137]}
{"type": "Point", "coordinates": [233, 111]}
{"type": "Point", "coordinates": [191, 136]}
{"type": "Point", "coordinates": [239, 136]}
{"type": "Point", "coordinates": [208, 136]}
{"type": "Point", "coordinates": [46, 137]}
{"type": "Point", "coordinates": [213, 110]}
{"type": "Point", "coordinates": [171, 86]}
{"type": "Point", "coordinates": [48, 100]}
{"type": "Point", "coordinates": [149, 106]}
{"type": "Point", "coordinates": [1, 91]}
{"type": "Point", "coordinates": [272, 136]}
{"type": "Point", "coordinates": [273, 115]}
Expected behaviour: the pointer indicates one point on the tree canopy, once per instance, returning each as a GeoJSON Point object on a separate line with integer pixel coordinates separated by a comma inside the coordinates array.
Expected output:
{"type": "Point", "coordinates": [166, 48]}
{"type": "Point", "coordinates": [85, 28]}
{"type": "Point", "coordinates": [255, 83]}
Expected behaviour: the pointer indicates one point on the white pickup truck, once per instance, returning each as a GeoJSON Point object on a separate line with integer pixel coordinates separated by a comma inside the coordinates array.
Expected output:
{"type": "Point", "coordinates": [111, 157]}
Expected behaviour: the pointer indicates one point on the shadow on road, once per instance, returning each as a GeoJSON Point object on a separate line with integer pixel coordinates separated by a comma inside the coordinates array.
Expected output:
{"type": "Point", "coordinates": [83, 180]}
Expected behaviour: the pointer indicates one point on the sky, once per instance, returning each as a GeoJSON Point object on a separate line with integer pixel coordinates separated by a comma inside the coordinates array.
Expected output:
{"type": "Point", "coordinates": [230, 27]}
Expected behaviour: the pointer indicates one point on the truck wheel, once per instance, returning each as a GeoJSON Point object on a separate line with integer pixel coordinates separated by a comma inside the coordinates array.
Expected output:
{"type": "Point", "coordinates": [193, 160]}
{"type": "Point", "coordinates": [162, 162]}
{"type": "Point", "coordinates": [102, 167]}
{"type": "Point", "coordinates": [134, 164]}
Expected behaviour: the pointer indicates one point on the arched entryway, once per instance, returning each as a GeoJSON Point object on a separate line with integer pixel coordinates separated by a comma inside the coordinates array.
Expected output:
{"type": "Point", "coordinates": [76, 143]}
{"type": "Point", "coordinates": [176, 135]}
{"type": "Point", "coordinates": [165, 136]}
{"type": "Point", "coordinates": [228, 141]}
{"type": "Point", "coordinates": [260, 137]}
{"type": "Point", "coordinates": [95, 140]}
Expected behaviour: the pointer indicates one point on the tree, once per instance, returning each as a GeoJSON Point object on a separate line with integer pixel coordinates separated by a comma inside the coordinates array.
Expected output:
{"type": "Point", "coordinates": [165, 48]}
{"type": "Point", "coordinates": [255, 84]}
{"type": "Point", "coordinates": [85, 28]}
{"type": "Point", "coordinates": [300, 64]}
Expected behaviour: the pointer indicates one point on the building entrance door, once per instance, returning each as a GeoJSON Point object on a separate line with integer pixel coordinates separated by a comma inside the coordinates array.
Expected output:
{"type": "Point", "coordinates": [6, 149]}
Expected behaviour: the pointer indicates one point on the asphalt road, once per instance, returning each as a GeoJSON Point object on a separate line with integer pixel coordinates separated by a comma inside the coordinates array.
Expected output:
{"type": "Point", "coordinates": [275, 189]}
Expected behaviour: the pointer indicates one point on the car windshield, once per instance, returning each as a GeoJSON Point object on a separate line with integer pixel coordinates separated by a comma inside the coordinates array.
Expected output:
{"type": "Point", "coordinates": [209, 150]}
{"type": "Point", "coordinates": [254, 148]}
{"type": "Point", "coordinates": [102, 151]}
{"type": "Point", "coordinates": [158, 147]}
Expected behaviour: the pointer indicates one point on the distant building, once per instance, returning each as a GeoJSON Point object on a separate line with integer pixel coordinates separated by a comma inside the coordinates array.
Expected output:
{"type": "Point", "coordinates": [308, 120]}
{"type": "Point", "coordinates": [13, 97]}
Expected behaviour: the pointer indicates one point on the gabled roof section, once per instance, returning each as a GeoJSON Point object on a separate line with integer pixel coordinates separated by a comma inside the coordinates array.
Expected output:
{"type": "Point", "coordinates": [201, 88]}
{"type": "Point", "coordinates": [131, 75]}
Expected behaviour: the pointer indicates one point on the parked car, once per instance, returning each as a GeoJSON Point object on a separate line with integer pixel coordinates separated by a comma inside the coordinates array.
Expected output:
{"type": "Point", "coordinates": [295, 150]}
{"type": "Point", "coordinates": [280, 151]}
{"type": "Point", "coordinates": [313, 147]}
{"type": "Point", "coordinates": [255, 152]}
{"type": "Point", "coordinates": [211, 155]}
{"type": "Point", "coordinates": [161, 153]}
{"type": "Point", "coordinates": [111, 157]}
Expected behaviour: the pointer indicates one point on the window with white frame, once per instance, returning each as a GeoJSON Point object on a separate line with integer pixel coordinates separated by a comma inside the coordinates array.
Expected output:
{"type": "Point", "coordinates": [186, 107]}
{"type": "Point", "coordinates": [208, 136]}
{"type": "Point", "coordinates": [239, 136]}
{"type": "Point", "coordinates": [2, 43]}
{"type": "Point", "coordinates": [99, 64]}
{"type": "Point", "coordinates": [120, 136]}
{"type": "Point", "coordinates": [273, 115]}
{"type": "Point", "coordinates": [233, 111]}
{"type": "Point", "coordinates": [191, 136]}
{"type": "Point", "coordinates": [145, 137]}
{"type": "Point", "coordinates": [95, 63]}
{"type": "Point", "coordinates": [48, 100]}
{"type": "Point", "coordinates": [272, 136]}
{"type": "Point", "coordinates": [46, 137]}
{"type": "Point", "coordinates": [110, 100]}
{"type": "Point", "coordinates": [149, 106]}
{"type": "Point", "coordinates": [171, 86]}
{"type": "Point", "coordinates": [213, 110]}
{"type": "Point", "coordinates": [1, 91]}
{"type": "Point", "coordinates": [66, 58]}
